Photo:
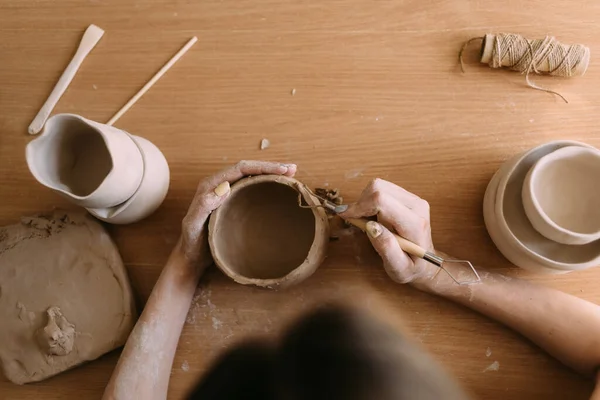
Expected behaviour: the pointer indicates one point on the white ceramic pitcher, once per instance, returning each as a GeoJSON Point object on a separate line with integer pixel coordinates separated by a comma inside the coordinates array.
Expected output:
{"type": "Point", "coordinates": [92, 164]}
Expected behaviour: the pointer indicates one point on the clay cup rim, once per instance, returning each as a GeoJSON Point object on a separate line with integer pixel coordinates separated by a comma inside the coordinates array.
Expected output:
{"type": "Point", "coordinates": [259, 220]}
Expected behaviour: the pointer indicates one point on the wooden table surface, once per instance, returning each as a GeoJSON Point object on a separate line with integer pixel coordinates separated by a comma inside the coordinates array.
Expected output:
{"type": "Point", "coordinates": [378, 93]}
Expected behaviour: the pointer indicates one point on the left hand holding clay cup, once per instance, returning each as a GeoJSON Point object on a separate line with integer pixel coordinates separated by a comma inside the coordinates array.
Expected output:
{"type": "Point", "coordinates": [401, 212]}
{"type": "Point", "coordinates": [211, 193]}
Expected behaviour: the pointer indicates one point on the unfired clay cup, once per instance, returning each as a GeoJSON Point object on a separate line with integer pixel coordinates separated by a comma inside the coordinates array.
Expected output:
{"type": "Point", "coordinates": [150, 194]}
{"type": "Point", "coordinates": [511, 230]}
{"type": "Point", "coordinates": [561, 195]}
{"type": "Point", "coordinates": [261, 236]}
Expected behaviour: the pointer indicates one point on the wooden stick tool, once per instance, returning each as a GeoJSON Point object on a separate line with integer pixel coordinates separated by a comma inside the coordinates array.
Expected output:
{"type": "Point", "coordinates": [152, 80]}
{"type": "Point", "coordinates": [89, 40]}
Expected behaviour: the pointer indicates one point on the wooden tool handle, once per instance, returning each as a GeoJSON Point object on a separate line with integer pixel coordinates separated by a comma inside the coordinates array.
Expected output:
{"type": "Point", "coordinates": [152, 81]}
{"type": "Point", "coordinates": [406, 245]}
{"type": "Point", "coordinates": [90, 38]}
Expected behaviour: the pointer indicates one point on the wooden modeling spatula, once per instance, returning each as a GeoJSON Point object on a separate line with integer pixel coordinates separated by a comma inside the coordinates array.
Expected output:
{"type": "Point", "coordinates": [90, 38]}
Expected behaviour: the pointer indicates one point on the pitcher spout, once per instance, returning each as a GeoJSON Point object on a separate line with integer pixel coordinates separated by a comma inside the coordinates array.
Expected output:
{"type": "Point", "coordinates": [91, 164]}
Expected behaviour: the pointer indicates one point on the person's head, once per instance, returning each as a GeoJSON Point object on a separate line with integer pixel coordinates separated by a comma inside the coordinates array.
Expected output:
{"type": "Point", "coordinates": [332, 353]}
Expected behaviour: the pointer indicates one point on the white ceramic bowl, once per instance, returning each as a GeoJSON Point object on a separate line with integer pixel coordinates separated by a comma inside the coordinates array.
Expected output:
{"type": "Point", "coordinates": [150, 194]}
{"type": "Point", "coordinates": [511, 230]}
{"type": "Point", "coordinates": [561, 195]}
{"type": "Point", "coordinates": [512, 252]}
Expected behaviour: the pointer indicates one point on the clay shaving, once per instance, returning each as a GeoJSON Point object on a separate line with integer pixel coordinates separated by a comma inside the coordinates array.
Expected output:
{"type": "Point", "coordinates": [333, 195]}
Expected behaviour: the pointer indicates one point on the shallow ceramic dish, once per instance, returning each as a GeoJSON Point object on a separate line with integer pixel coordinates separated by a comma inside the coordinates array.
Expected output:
{"type": "Point", "coordinates": [261, 236]}
{"type": "Point", "coordinates": [561, 195]}
{"type": "Point", "coordinates": [150, 194]}
{"type": "Point", "coordinates": [509, 250]}
{"type": "Point", "coordinates": [515, 227]}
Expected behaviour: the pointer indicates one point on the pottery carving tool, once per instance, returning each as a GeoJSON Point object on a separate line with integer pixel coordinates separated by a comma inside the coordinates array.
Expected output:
{"type": "Point", "coordinates": [415, 250]}
{"type": "Point", "coordinates": [152, 81]}
{"type": "Point", "coordinates": [89, 40]}
{"type": "Point", "coordinates": [405, 244]}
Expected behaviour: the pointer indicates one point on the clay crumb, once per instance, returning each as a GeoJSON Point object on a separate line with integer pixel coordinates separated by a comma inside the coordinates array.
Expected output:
{"type": "Point", "coordinates": [264, 144]}
{"type": "Point", "coordinates": [95, 87]}
{"type": "Point", "coordinates": [216, 323]}
{"type": "Point", "coordinates": [293, 92]}
{"type": "Point", "coordinates": [488, 352]}
{"type": "Point", "coordinates": [493, 367]}
{"type": "Point", "coordinates": [185, 366]}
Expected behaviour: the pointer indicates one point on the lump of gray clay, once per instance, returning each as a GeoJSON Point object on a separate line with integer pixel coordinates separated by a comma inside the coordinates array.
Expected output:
{"type": "Point", "coordinates": [64, 295]}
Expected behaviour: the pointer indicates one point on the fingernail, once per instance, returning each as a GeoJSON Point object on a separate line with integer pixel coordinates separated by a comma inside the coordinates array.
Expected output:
{"type": "Point", "coordinates": [373, 229]}
{"type": "Point", "coordinates": [222, 189]}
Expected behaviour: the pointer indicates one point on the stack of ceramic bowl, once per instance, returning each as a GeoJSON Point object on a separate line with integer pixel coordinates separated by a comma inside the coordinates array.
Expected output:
{"type": "Point", "coordinates": [118, 177]}
{"type": "Point", "coordinates": [542, 208]}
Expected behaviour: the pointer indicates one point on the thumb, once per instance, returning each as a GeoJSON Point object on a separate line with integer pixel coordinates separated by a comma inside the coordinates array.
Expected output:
{"type": "Point", "coordinates": [222, 189]}
{"type": "Point", "coordinates": [215, 198]}
{"type": "Point", "coordinates": [203, 205]}
{"type": "Point", "coordinates": [395, 260]}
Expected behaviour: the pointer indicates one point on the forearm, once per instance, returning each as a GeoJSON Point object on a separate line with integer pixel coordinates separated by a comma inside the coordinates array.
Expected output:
{"type": "Point", "coordinates": [565, 326]}
{"type": "Point", "coordinates": [145, 365]}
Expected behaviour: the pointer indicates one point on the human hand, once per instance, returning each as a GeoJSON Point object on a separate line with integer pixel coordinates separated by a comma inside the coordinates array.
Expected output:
{"type": "Point", "coordinates": [403, 213]}
{"type": "Point", "coordinates": [206, 200]}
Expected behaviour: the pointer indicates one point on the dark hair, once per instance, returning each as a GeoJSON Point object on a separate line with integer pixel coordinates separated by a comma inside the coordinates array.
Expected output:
{"type": "Point", "coordinates": [332, 353]}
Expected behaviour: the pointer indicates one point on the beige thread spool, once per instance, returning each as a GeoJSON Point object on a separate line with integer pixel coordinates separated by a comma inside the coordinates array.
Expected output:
{"type": "Point", "coordinates": [540, 56]}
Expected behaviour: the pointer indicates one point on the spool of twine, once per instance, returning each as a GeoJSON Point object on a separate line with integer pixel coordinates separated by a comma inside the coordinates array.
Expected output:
{"type": "Point", "coordinates": [539, 56]}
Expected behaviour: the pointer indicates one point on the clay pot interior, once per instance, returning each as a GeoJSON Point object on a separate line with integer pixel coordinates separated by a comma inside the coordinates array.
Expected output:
{"type": "Point", "coordinates": [264, 234]}
{"type": "Point", "coordinates": [261, 236]}
{"type": "Point", "coordinates": [511, 213]}
{"type": "Point", "coordinates": [76, 161]}
{"type": "Point", "coordinates": [561, 195]}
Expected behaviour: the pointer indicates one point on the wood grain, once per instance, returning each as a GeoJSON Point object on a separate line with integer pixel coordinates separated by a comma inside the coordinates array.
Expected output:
{"type": "Point", "coordinates": [378, 94]}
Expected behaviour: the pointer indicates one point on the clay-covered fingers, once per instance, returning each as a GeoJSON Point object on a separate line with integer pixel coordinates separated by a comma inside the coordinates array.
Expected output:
{"type": "Point", "coordinates": [365, 206]}
{"type": "Point", "coordinates": [213, 191]}
{"type": "Point", "coordinates": [246, 168]}
{"type": "Point", "coordinates": [398, 265]}
{"type": "Point", "coordinates": [399, 210]}
{"type": "Point", "coordinates": [406, 222]}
